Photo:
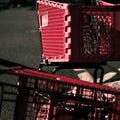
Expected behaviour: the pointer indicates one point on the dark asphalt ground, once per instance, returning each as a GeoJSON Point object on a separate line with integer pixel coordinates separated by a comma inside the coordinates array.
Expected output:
{"type": "Point", "coordinates": [19, 37]}
{"type": "Point", "coordinates": [20, 42]}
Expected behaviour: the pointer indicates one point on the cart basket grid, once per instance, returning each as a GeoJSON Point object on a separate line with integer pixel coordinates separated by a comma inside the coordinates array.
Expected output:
{"type": "Point", "coordinates": [44, 96]}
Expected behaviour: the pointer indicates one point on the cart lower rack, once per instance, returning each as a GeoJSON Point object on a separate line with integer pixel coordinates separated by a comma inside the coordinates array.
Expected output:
{"type": "Point", "coordinates": [38, 95]}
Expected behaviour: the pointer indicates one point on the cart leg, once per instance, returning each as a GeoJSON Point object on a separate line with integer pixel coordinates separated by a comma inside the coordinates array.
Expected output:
{"type": "Point", "coordinates": [101, 74]}
{"type": "Point", "coordinates": [21, 102]}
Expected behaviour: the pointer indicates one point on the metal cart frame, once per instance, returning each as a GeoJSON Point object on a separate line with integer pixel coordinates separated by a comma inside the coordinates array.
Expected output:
{"type": "Point", "coordinates": [47, 96]}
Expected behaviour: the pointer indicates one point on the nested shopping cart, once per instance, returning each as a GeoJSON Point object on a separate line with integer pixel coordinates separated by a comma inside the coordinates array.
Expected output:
{"type": "Point", "coordinates": [35, 95]}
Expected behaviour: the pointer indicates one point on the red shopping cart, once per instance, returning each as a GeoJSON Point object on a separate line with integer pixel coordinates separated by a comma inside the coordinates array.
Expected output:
{"type": "Point", "coordinates": [73, 33]}
{"type": "Point", "coordinates": [38, 95]}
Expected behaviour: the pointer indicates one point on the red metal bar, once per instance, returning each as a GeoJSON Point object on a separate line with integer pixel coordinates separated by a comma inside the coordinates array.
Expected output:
{"type": "Point", "coordinates": [58, 79]}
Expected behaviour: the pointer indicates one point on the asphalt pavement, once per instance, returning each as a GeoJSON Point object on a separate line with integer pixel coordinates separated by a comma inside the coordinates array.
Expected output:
{"type": "Point", "coordinates": [19, 37]}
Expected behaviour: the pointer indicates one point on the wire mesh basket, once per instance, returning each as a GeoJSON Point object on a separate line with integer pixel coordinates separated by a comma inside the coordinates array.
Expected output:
{"type": "Point", "coordinates": [43, 96]}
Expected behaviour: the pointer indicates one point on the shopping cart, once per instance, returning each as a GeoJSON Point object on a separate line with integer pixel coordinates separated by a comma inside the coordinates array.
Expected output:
{"type": "Point", "coordinates": [73, 33]}
{"type": "Point", "coordinates": [77, 36]}
{"type": "Point", "coordinates": [36, 95]}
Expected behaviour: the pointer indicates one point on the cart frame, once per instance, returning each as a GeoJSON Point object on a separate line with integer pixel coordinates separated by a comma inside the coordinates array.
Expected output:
{"type": "Point", "coordinates": [54, 91]}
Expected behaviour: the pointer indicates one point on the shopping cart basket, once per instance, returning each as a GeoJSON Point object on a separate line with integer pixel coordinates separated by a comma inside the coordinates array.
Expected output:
{"type": "Point", "coordinates": [72, 33]}
{"type": "Point", "coordinates": [41, 96]}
